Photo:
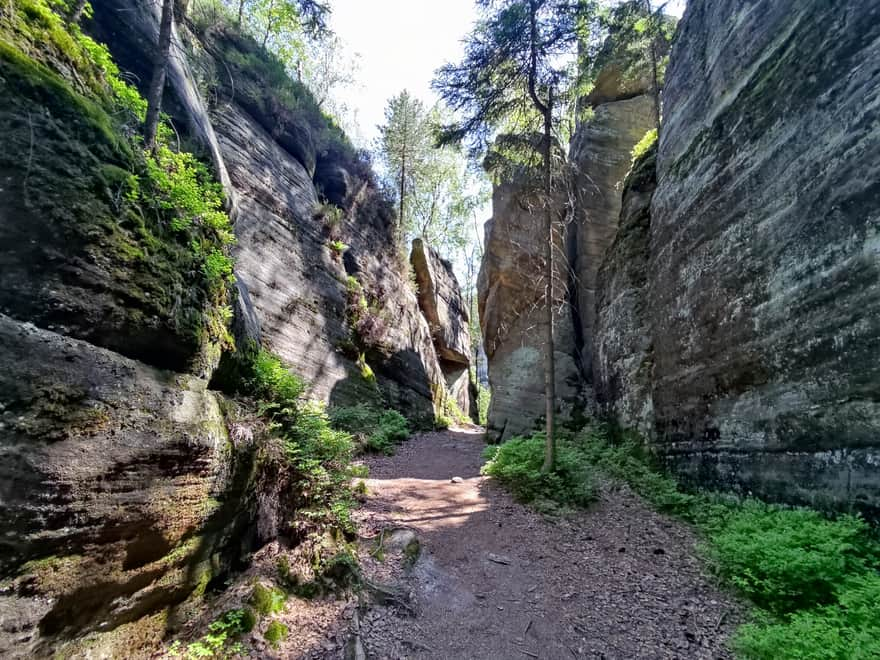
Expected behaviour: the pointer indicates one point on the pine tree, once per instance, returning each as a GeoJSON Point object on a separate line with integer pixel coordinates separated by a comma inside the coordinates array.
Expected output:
{"type": "Point", "coordinates": [404, 143]}
{"type": "Point", "coordinates": [514, 75]}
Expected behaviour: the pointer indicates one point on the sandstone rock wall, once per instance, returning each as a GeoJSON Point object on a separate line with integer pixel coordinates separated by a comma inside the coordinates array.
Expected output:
{"type": "Point", "coordinates": [122, 496]}
{"type": "Point", "coordinates": [511, 302]}
{"type": "Point", "coordinates": [444, 308]}
{"type": "Point", "coordinates": [622, 340]}
{"type": "Point", "coordinates": [764, 275]}
{"type": "Point", "coordinates": [600, 158]}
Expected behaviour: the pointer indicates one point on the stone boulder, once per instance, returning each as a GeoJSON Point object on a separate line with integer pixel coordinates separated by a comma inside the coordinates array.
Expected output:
{"type": "Point", "coordinates": [764, 273]}
{"type": "Point", "coordinates": [444, 309]}
{"type": "Point", "coordinates": [442, 304]}
{"type": "Point", "coordinates": [120, 497]}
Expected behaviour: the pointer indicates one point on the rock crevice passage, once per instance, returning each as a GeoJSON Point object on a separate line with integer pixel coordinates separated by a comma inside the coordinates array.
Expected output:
{"type": "Point", "coordinates": [495, 579]}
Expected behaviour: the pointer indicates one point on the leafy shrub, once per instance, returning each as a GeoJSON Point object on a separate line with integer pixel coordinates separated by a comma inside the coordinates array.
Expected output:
{"type": "Point", "coordinates": [642, 146]}
{"type": "Point", "coordinates": [849, 630]}
{"type": "Point", "coordinates": [787, 559]}
{"type": "Point", "coordinates": [627, 462]}
{"type": "Point", "coordinates": [376, 430]}
{"type": "Point", "coordinates": [318, 454]}
{"type": "Point", "coordinates": [276, 632]}
{"type": "Point", "coordinates": [517, 465]}
{"type": "Point", "coordinates": [220, 632]}
{"type": "Point", "coordinates": [484, 397]}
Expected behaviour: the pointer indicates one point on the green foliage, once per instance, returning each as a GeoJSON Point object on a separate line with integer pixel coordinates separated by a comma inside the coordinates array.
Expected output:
{"type": "Point", "coordinates": [375, 430]}
{"type": "Point", "coordinates": [452, 411]}
{"type": "Point", "coordinates": [164, 214]}
{"type": "Point", "coordinates": [317, 454]}
{"type": "Point", "coordinates": [276, 632]}
{"type": "Point", "coordinates": [367, 322]}
{"type": "Point", "coordinates": [788, 559]}
{"type": "Point", "coordinates": [814, 579]}
{"type": "Point", "coordinates": [517, 465]}
{"type": "Point", "coordinates": [484, 398]}
{"type": "Point", "coordinates": [267, 600]}
{"type": "Point", "coordinates": [220, 632]}
{"type": "Point", "coordinates": [849, 630]}
{"type": "Point", "coordinates": [644, 144]}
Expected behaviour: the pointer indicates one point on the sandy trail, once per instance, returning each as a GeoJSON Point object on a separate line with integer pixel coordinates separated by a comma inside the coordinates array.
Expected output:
{"type": "Point", "coordinates": [498, 580]}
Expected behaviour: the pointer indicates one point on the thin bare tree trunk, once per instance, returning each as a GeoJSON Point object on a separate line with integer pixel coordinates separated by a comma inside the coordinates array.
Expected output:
{"type": "Point", "coordinates": [240, 13]}
{"type": "Point", "coordinates": [655, 83]}
{"type": "Point", "coordinates": [549, 355]}
{"type": "Point", "coordinates": [546, 109]}
{"type": "Point", "coordinates": [157, 83]}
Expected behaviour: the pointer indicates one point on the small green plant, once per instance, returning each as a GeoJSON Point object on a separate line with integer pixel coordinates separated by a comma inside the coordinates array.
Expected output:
{"type": "Point", "coordinates": [276, 632]}
{"type": "Point", "coordinates": [220, 633]}
{"type": "Point", "coordinates": [517, 465]}
{"type": "Point", "coordinates": [375, 430]}
{"type": "Point", "coordinates": [267, 600]}
{"type": "Point", "coordinates": [642, 146]}
{"type": "Point", "coordinates": [337, 247]}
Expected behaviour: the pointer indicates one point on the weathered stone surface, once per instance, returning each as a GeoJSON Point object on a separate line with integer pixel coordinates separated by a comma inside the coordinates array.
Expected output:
{"type": "Point", "coordinates": [622, 341]}
{"type": "Point", "coordinates": [442, 304]}
{"type": "Point", "coordinates": [299, 288]}
{"type": "Point", "coordinates": [601, 155]}
{"type": "Point", "coordinates": [764, 278]}
{"type": "Point", "coordinates": [74, 257]}
{"type": "Point", "coordinates": [444, 309]}
{"type": "Point", "coordinates": [117, 487]}
{"type": "Point", "coordinates": [511, 300]}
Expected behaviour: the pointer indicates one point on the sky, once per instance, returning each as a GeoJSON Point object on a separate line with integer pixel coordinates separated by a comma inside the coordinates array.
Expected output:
{"type": "Point", "coordinates": [401, 43]}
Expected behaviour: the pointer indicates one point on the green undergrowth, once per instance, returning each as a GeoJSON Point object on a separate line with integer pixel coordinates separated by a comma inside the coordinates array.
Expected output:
{"type": "Point", "coordinates": [517, 465]}
{"type": "Point", "coordinates": [813, 579]}
{"type": "Point", "coordinates": [484, 398]}
{"type": "Point", "coordinates": [317, 454]}
{"type": "Point", "coordinates": [221, 638]}
{"type": "Point", "coordinates": [375, 430]}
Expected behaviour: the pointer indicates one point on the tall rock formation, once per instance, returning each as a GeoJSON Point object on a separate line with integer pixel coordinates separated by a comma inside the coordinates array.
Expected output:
{"type": "Point", "coordinates": [128, 486]}
{"type": "Point", "coordinates": [737, 315]}
{"type": "Point", "coordinates": [444, 308]}
{"type": "Point", "coordinates": [622, 339]}
{"type": "Point", "coordinates": [764, 273]}
{"type": "Point", "coordinates": [511, 302]}
{"type": "Point", "coordinates": [601, 156]}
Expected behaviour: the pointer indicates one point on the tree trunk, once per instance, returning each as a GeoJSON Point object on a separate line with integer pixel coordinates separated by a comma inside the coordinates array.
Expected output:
{"type": "Point", "coordinates": [546, 109]}
{"type": "Point", "coordinates": [550, 349]}
{"type": "Point", "coordinates": [157, 83]}
{"type": "Point", "coordinates": [77, 12]}
{"type": "Point", "coordinates": [653, 30]}
{"type": "Point", "coordinates": [240, 13]}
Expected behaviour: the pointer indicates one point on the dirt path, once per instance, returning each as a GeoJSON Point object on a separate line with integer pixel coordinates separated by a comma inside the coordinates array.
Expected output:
{"type": "Point", "coordinates": [497, 580]}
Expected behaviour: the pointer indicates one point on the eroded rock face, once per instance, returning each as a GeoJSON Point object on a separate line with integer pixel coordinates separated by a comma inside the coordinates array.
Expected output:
{"type": "Point", "coordinates": [442, 304]}
{"type": "Point", "coordinates": [299, 287]}
{"type": "Point", "coordinates": [601, 156]}
{"type": "Point", "coordinates": [511, 301]}
{"type": "Point", "coordinates": [764, 275]}
{"type": "Point", "coordinates": [622, 340]}
{"type": "Point", "coordinates": [118, 488]}
{"type": "Point", "coordinates": [444, 308]}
